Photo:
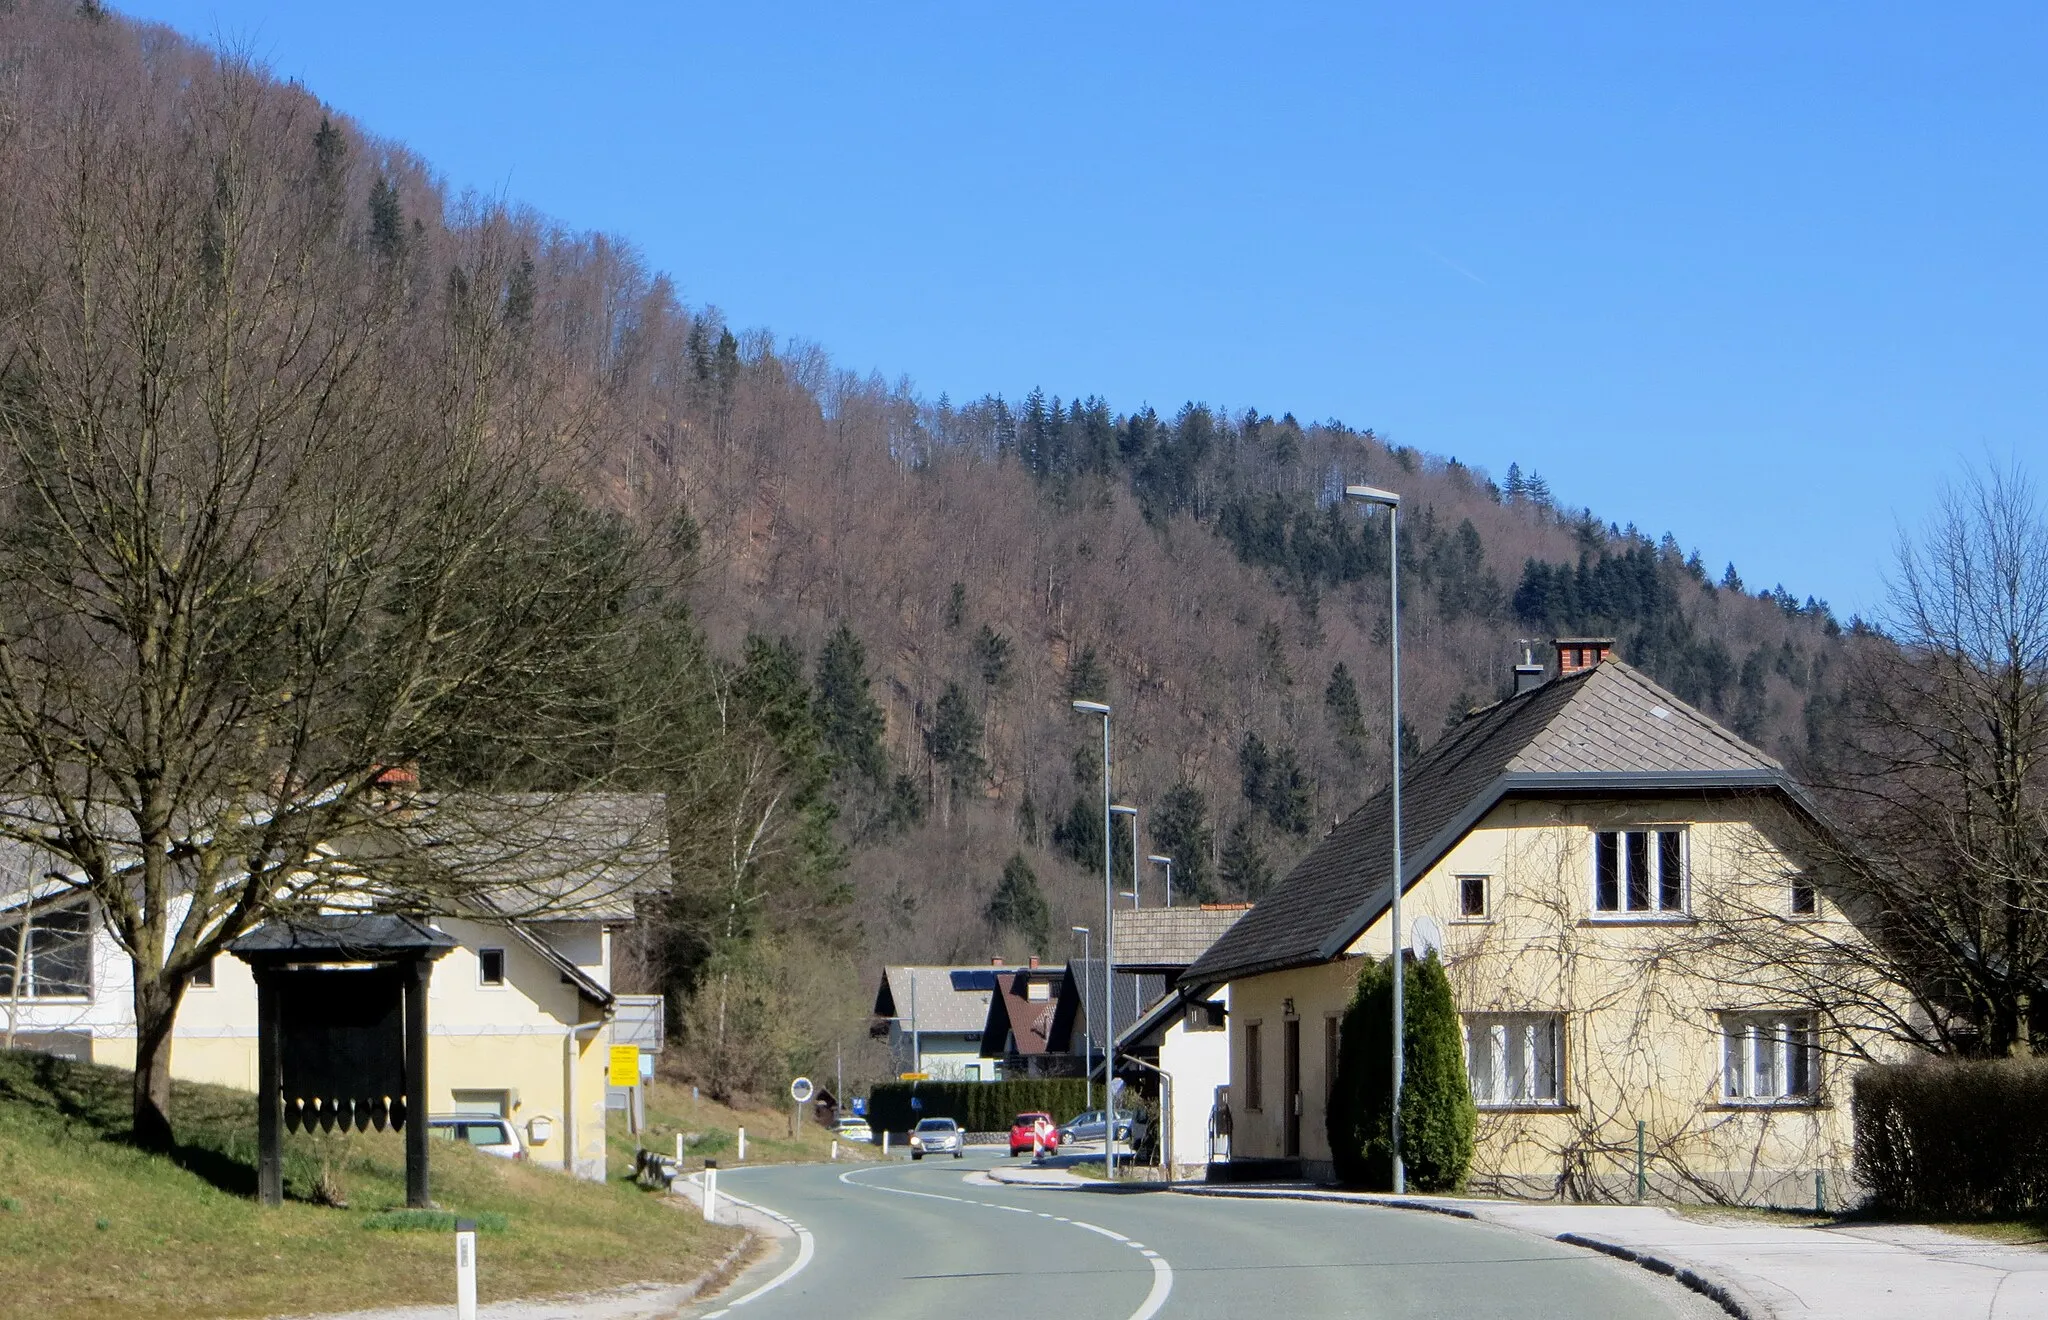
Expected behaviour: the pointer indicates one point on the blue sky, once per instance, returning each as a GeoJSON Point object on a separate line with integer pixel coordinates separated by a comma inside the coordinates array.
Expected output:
{"type": "Point", "coordinates": [1761, 275]}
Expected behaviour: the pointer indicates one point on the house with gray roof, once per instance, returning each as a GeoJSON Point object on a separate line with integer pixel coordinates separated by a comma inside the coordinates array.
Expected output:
{"type": "Point", "coordinates": [1585, 856]}
{"type": "Point", "coordinates": [933, 1017]}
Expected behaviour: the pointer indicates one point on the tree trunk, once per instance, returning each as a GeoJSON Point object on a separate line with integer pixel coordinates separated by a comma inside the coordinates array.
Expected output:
{"type": "Point", "coordinates": [156, 1012]}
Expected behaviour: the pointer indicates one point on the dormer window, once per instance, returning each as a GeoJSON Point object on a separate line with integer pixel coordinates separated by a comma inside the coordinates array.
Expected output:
{"type": "Point", "coordinates": [1037, 990]}
{"type": "Point", "coordinates": [1639, 872]}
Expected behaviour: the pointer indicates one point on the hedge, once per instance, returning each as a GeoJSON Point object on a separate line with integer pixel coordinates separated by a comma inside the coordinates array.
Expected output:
{"type": "Point", "coordinates": [1953, 1137]}
{"type": "Point", "coordinates": [976, 1106]}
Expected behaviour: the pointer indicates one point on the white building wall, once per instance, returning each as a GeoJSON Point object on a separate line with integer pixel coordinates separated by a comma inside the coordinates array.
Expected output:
{"type": "Point", "coordinates": [1198, 1062]}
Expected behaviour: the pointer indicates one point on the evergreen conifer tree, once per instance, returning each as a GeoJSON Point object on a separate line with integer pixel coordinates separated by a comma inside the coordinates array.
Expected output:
{"type": "Point", "coordinates": [849, 720]}
{"type": "Point", "coordinates": [1181, 829]}
{"type": "Point", "coordinates": [1019, 905]}
{"type": "Point", "coordinates": [1347, 717]}
{"type": "Point", "coordinates": [1438, 1119]}
{"type": "Point", "coordinates": [1086, 680]}
{"type": "Point", "coordinates": [992, 657]}
{"type": "Point", "coordinates": [955, 740]}
{"type": "Point", "coordinates": [1243, 866]}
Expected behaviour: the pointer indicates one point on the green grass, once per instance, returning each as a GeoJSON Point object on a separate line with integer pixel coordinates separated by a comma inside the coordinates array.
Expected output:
{"type": "Point", "coordinates": [670, 1110]}
{"type": "Point", "coordinates": [90, 1226]}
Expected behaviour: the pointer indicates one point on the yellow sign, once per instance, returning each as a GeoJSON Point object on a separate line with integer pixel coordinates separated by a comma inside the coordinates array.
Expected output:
{"type": "Point", "coordinates": [625, 1065]}
{"type": "Point", "coordinates": [913, 1077]}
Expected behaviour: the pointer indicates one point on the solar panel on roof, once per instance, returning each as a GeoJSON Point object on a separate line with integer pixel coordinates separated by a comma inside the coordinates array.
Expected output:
{"type": "Point", "coordinates": [978, 978]}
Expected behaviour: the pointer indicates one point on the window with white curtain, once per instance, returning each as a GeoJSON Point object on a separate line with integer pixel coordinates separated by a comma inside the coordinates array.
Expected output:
{"type": "Point", "coordinates": [1769, 1058]}
{"type": "Point", "coordinates": [1514, 1058]}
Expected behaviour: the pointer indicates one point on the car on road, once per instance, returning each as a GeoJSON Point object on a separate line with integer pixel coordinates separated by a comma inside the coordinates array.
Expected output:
{"type": "Point", "coordinates": [1091, 1125]}
{"type": "Point", "coordinates": [492, 1136]}
{"type": "Point", "coordinates": [853, 1128]}
{"type": "Point", "coordinates": [1021, 1128]}
{"type": "Point", "coordinates": [937, 1136]}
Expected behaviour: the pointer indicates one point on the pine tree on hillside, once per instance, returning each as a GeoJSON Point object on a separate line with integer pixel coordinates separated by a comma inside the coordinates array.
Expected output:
{"type": "Point", "coordinates": [1254, 768]}
{"type": "Point", "coordinates": [1347, 717]}
{"type": "Point", "coordinates": [1180, 828]}
{"type": "Point", "coordinates": [992, 657]}
{"type": "Point", "coordinates": [849, 720]}
{"type": "Point", "coordinates": [954, 742]}
{"type": "Point", "coordinates": [1086, 679]}
{"type": "Point", "coordinates": [1243, 867]}
{"type": "Point", "coordinates": [1019, 905]}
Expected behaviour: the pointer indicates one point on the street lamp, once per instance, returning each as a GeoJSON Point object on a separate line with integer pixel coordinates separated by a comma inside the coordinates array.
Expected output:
{"type": "Point", "coordinates": [1391, 502]}
{"type": "Point", "coordinates": [1087, 1036]}
{"type": "Point", "coordinates": [1132, 812]}
{"type": "Point", "coordinates": [1166, 862]}
{"type": "Point", "coordinates": [1108, 941]}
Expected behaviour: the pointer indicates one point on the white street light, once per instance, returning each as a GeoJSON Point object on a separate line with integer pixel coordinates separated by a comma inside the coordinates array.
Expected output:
{"type": "Point", "coordinates": [1166, 862]}
{"type": "Point", "coordinates": [1391, 502]}
{"type": "Point", "coordinates": [1087, 1037]}
{"type": "Point", "coordinates": [1132, 812]}
{"type": "Point", "coordinates": [1108, 941]}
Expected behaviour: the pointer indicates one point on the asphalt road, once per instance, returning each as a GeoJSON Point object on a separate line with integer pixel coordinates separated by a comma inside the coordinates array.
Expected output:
{"type": "Point", "coordinates": [933, 1239]}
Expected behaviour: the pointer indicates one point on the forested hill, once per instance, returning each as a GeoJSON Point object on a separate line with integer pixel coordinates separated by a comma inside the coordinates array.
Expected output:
{"type": "Point", "coordinates": [904, 594]}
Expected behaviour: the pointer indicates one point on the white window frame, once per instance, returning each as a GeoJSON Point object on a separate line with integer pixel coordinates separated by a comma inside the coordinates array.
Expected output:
{"type": "Point", "coordinates": [504, 968]}
{"type": "Point", "coordinates": [28, 980]}
{"type": "Point", "coordinates": [1653, 853]}
{"type": "Point", "coordinates": [1514, 1082]}
{"type": "Point", "coordinates": [1485, 913]}
{"type": "Point", "coordinates": [1770, 1059]}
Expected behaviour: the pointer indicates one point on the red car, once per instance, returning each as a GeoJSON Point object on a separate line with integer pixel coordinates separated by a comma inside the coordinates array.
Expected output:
{"type": "Point", "coordinates": [1021, 1128]}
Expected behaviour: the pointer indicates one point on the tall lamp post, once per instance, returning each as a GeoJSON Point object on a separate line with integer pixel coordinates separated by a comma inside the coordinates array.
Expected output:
{"type": "Point", "coordinates": [1372, 496]}
{"type": "Point", "coordinates": [1121, 810]}
{"type": "Point", "coordinates": [1087, 1035]}
{"type": "Point", "coordinates": [1166, 862]}
{"type": "Point", "coordinates": [1108, 941]}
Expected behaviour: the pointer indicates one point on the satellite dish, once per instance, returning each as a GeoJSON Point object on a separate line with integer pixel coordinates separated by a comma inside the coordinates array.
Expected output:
{"type": "Point", "coordinates": [1426, 937]}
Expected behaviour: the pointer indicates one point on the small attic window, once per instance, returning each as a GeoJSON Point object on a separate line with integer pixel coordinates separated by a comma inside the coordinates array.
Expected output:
{"type": "Point", "coordinates": [490, 968]}
{"type": "Point", "coordinates": [1043, 990]}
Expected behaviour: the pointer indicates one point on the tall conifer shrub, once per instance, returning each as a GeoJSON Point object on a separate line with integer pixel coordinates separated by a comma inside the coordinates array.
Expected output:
{"type": "Point", "coordinates": [1437, 1115]}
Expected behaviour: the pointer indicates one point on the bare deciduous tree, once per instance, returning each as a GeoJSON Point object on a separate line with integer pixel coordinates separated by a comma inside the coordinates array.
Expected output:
{"type": "Point", "coordinates": [288, 514]}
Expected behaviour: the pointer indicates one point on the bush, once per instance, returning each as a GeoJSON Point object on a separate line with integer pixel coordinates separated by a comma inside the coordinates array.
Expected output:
{"type": "Point", "coordinates": [1949, 1137]}
{"type": "Point", "coordinates": [975, 1106]}
{"type": "Point", "coordinates": [1437, 1115]}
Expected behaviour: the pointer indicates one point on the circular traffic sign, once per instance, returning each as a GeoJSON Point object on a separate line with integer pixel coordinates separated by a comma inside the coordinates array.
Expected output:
{"type": "Point", "coordinates": [801, 1089]}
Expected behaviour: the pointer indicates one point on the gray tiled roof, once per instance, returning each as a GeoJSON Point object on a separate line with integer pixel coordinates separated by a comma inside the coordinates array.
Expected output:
{"type": "Point", "coordinates": [947, 998]}
{"type": "Point", "coordinates": [1608, 728]}
{"type": "Point", "coordinates": [1171, 937]}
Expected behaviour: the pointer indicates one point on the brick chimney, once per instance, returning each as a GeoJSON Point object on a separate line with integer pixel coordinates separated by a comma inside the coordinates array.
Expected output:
{"type": "Point", "coordinates": [1529, 671]}
{"type": "Point", "coordinates": [1578, 654]}
{"type": "Point", "coordinates": [998, 962]}
{"type": "Point", "coordinates": [1034, 962]}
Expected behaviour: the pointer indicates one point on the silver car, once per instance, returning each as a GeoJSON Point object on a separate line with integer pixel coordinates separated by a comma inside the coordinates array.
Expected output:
{"type": "Point", "coordinates": [1091, 1125]}
{"type": "Point", "coordinates": [938, 1136]}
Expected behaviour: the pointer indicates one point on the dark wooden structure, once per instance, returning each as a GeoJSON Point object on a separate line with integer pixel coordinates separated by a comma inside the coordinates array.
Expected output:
{"type": "Point", "coordinates": [341, 1033]}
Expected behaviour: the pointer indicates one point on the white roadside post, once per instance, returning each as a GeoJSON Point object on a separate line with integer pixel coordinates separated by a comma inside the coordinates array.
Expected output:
{"type": "Point", "coordinates": [679, 1150]}
{"type": "Point", "coordinates": [835, 1151]}
{"type": "Point", "coordinates": [711, 1191]}
{"type": "Point", "coordinates": [465, 1269]}
{"type": "Point", "coordinates": [743, 1146]}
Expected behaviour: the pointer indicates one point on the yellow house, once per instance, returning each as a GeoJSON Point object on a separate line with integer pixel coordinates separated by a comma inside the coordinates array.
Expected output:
{"type": "Point", "coordinates": [519, 1012]}
{"type": "Point", "coordinates": [1619, 890]}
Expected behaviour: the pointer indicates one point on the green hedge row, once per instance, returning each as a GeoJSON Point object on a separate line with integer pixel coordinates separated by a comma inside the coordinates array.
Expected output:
{"type": "Point", "coordinates": [976, 1106]}
{"type": "Point", "coordinates": [1953, 1137]}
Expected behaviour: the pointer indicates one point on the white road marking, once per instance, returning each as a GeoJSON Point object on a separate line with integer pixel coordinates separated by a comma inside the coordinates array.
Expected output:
{"type": "Point", "coordinates": [1162, 1273]}
{"type": "Point", "coordinates": [806, 1247]}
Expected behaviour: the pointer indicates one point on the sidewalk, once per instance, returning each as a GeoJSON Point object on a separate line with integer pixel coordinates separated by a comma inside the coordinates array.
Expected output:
{"type": "Point", "coordinates": [1757, 1271]}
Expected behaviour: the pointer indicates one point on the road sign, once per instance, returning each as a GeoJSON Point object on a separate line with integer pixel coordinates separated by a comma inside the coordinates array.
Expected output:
{"type": "Point", "coordinates": [625, 1065]}
{"type": "Point", "coordinates": [860, 1106]}
{"type": "Point", "coordinates": [913, 1077]}
{"type": "Point", "coordinates": [916, 1102]}
{"type": "Point", "coordinates": [801, 1089]}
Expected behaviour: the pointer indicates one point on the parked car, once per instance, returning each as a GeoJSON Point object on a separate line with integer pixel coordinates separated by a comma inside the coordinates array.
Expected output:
{"type": "Point", "coordinates": [492, 1136]}
{"type": "Point", "coordinates": [937, 1136]}
{"type": "Point", "coordinates": [1021, 1129]}
{"type": "Point", "coordinates": [853, 1127]}
{"type": "Point", "coordinates": [1091, 1125]}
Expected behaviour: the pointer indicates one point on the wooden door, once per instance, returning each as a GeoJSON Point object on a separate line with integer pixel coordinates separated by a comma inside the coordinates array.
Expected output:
{"type": "Point", "coordinates": [1290, 1090]}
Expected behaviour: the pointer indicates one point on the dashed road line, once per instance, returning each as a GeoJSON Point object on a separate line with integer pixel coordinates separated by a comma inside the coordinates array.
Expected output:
{"type": "Point", "coordinates": [1162, 1272]}
{"type": "Point", "coordinates": [806, 1247]}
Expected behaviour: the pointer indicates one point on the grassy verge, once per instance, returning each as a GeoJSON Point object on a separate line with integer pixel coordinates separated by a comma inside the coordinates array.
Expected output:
{"type": "Point", "coordinates": [92, 1227]}
{"type": "Point", "coordinates": [2025, 1232]}
{"type": "Point", "coordinates": [714, 1129]}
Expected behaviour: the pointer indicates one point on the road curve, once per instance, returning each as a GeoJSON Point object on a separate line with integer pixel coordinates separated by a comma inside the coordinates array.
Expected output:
{"type": "Point", "coordinates": [929, 1240]}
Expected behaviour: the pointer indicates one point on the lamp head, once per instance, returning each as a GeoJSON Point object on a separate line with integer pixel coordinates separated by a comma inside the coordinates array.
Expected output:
{"type": "Point", "coordinates": [1158, 859]}
{"type": "Point", "coordinates": [1121, 810]}
{"type": "Point", "coordinates": [1080, 930]}
{"type": "Point", "coordinates": [1372, 495]}
{"type": "Point", "coordinates": [1092, 708]}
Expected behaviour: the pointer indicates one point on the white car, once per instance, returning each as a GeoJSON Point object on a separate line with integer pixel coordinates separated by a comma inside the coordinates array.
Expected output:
{"type": "Point", "coordinates": [492, 1136]}
{"type": "Point", "coordinates": [854, 1128]}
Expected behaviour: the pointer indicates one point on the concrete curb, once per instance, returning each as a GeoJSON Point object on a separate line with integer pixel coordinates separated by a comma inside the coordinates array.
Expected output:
{"type": "Point", "coordinates": [1727, 1296]}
